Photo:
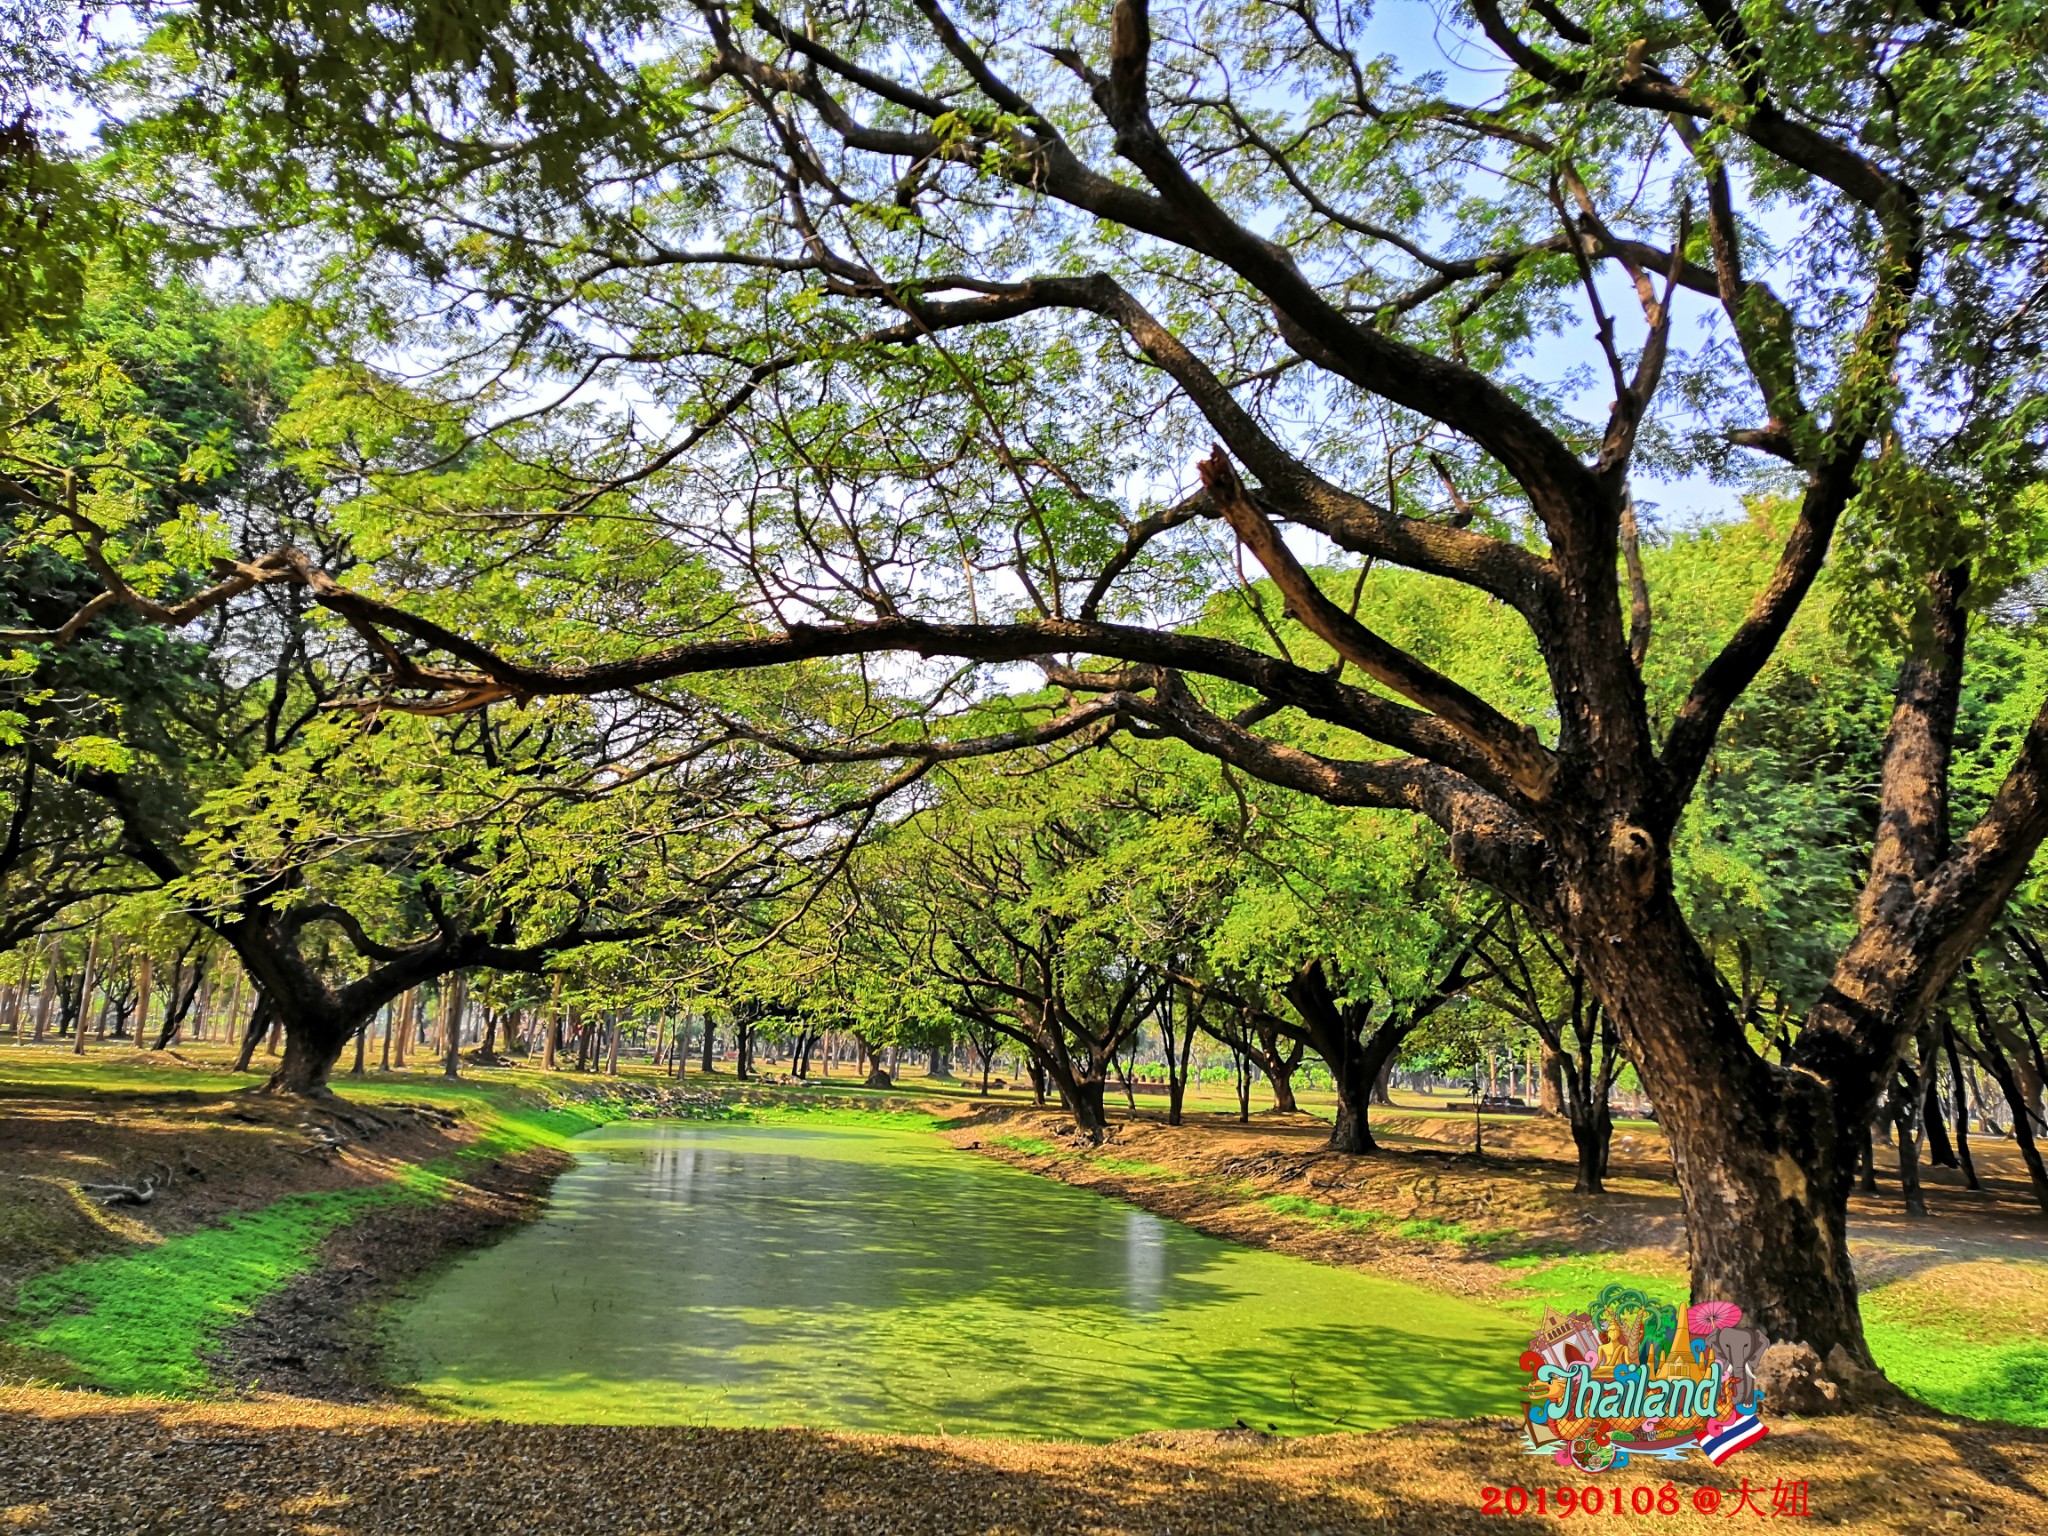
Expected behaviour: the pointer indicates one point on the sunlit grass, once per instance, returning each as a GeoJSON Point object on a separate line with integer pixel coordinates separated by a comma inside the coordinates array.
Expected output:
{"type": "Point", "coordinates": [1424, 1229]}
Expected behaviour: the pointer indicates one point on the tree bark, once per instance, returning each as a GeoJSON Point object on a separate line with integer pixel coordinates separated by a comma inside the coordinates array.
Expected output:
{"type": "Point", "coordinates": [1081, 1096]}
{"type": "Point", "coordinates": [1962, 1102]}
{"type": "Point", "coordinates": [1900, 1105]}
{"type": "Point", "coordinates": [1552, 1100]}
{"type": "Point", "coordinates": [1353, 1131]}
{"type": "Point", "coordinates": [1757, 1148]}
{"type": "Point", "coordinates": [2001, 1070]}
{"type": "Point", "coordinates": [259, 1025]}
{"type": "Point", "coordinates": [1940, 1151]}
{"type": "Point", "coordinates": [1592, 1139]}
{"type": "Point", "coordinates": [451, 1023]}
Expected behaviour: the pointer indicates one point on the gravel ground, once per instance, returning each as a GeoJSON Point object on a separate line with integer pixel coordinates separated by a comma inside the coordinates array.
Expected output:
{"type": "Point", "coordinates": [76, 1463]}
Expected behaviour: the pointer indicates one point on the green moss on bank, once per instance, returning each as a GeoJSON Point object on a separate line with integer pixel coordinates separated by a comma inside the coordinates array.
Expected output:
{"type": "Point", "coordinates": [1421, 1229]}
{"type": "Point", "coordinates": [144, 1322]}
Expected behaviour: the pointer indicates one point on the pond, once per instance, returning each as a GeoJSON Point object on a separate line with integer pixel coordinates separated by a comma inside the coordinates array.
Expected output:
{"type": "Point", "coordinates": [878, 1279]}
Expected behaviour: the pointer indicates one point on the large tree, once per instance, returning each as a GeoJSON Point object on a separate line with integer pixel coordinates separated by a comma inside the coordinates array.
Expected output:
{"type": "Point", "coordinates": [929, 308]}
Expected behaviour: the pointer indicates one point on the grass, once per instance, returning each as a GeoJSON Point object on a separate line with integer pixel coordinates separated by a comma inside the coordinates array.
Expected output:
{"type": "Point", "coordinates": [1569, 1282]}
{"type": "Point", "coordinates": [144, 1322]}
{"type": "Point", "coordinates": [1132, 1165]}
{"type": "Point", "coordinates": [1031, 1146]}
{"type": "Point", "coordinates": [1421, 1229]}
{"type": "Point", "coordinates": [1967, 1338]}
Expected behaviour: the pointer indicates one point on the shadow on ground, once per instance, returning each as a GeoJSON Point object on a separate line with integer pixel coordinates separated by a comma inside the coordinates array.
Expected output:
{"type": "Point", "coordinates": [73, 1463]}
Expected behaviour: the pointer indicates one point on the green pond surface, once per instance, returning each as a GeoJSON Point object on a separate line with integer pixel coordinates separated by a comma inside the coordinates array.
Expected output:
{"type": "Point", "coordinates": [878, 1279]}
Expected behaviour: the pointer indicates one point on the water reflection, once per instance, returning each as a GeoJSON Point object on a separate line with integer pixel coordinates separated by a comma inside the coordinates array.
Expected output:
{"type": "Point", "coordinates": [881, 1280]}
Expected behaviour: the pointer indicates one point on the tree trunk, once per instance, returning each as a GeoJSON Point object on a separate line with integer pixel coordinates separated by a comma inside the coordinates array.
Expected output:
{"type": "Point", "coordinates": [451, 1057]}
{"type": "Point", "coordinates": [92, 953]}
{"type": "Point", "coordinates": [1899, 1106]}
{"type": "Point", "coordinates": [1552, 1100]}
{"type": "Point", "coordinates": [259, 1025]}
{"type": "Point", "coordinates": [1760, 1158]}
{"type": "Point", "coordinates": [145, 973]}
{"type": "Point", "coordinates": [878, 1075]}
{"type": "Point", "coordinates": [1082, 1097]}
{"type": "Point", "coordinates": [1279, 1068]}
{"type": "Point", "coordinates": [362, 1046]}
{"type": "Point", "coordinates": [1866, 1171]}
{"type": "Point", "coordinates": [310, 1052]}
{"type": "Point", "coordinates": [2001, 1070]}
{"type": "Point", "coordinates": [46, 997]}
{"type": "Point", "coordinates": [1593, 1137]}
{"type": "Point", "coordinates": [940, 1066]}
{"type": "Point", "coordinates": [1382, 1084]}
{"type": "Point", "coordinates": [1940, 1151]}
{"type": "Point", "coordinates": [1353, 1131]}
{"type": "Point", "coordinates": [1962, 1102]}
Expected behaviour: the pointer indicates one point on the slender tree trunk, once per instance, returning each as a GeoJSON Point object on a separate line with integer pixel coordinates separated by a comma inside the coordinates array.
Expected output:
{"type": "Point", "coordinates": [47, 997]}
{"type": "Point", "coordinates": [451, 1057]}
{"type": "Point", "coordinates": [1866, 1171]}
{"type": "Point", "coordinates": [1552, 1100]}
{"type": "Point", "coordinates": [362, 1046]}
{"type": "Point", "coordinates": [1962, 1102]}
{"type": "Point", "coordinates": [1592, 1137]}
{"type": "Point", "coordinates": [92, 955]}
{"type": "Point", "coordinates": [1899, 1106]}
{"type": "Point", "coordinates": [1940, 1151]}
{"type": "Point", "coordinates": [145, 973]}
{"type": "Point", "coordinates": [259, 1024]}
{"type": "Point", "coordinates": [2001, 1070]}
{"type": "Point", "coordinates": [611, 1062]}
{"type": "Point", "coordinates": [710, 1043]}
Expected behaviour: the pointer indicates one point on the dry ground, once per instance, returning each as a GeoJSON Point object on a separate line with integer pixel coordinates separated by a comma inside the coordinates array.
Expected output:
{"type": "Point", "coordinates": [87, 1466]}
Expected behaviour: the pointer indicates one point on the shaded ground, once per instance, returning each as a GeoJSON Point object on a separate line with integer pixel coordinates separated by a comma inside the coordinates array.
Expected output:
{"type": "Point", "coordinates": [73, 1463]}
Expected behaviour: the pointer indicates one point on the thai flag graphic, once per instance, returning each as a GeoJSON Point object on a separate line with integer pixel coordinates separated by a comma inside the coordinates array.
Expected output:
{"type": "Point", "coordinates": [1745, 1431]}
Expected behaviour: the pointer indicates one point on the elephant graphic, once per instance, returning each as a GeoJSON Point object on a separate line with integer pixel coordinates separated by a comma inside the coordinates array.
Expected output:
{"type": "Point", "coordinates": [1738, 1349]}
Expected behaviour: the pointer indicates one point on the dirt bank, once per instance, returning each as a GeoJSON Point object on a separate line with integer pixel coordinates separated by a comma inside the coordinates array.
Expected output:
{"type": "Point", "coordinates": [1430, 1211]}
{"type": "Point", "coordinates": [316, 1338]}
{"type": "Point", "coordinates": [208, 1157]}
